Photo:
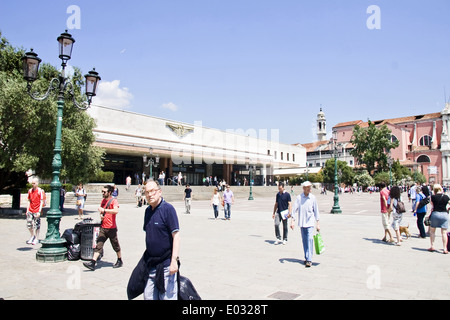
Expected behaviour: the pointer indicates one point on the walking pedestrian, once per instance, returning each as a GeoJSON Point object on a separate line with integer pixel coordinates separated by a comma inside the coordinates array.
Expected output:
{"type": "Point", "coordinates": [306, 213]}
{"type": "Point", "coordinates": [187, 198]}
{"type": "Point", "coordinates": [228, 198]}
{"type": "Point", "coordinates": [128, 183]}
{"type": "Point", "coordinates": [180, 179]}
{"type": "Point", "coordinates": [421, 211]}
{"type": "Point", "coordinates": [413, 192]}
{"type": "Point", "coordinates": [394, 198]}
{"type": "Point", "coordinates": [216, 199]}
{"type": "Point", "coordinates": [162, 245]}
{"type": "Point", "coordinates": [115, 192]}
{"type": "Point", "coordinates": [281, 212]}
{"type": "Point", "coordinates": [439, 217]}
{"type": "Point", "coordinates": [80, 193]}
{"type": "Point", "coordinates": [385, 214]}
{"type": "Point", "coordinates": [138, 195]}
{"type": "Point", "coordinates": [34, 211]}
{"type": "Point", "coordinates": [62, 198]}
{"type": "Point", "coordinates": [108, 209]}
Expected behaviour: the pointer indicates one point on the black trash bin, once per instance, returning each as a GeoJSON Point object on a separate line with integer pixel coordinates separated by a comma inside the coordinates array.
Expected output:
{"type": "Point", "coordinates": [89, 233]}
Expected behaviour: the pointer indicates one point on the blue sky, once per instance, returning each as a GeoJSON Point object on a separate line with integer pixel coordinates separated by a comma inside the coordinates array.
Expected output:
{"type": "Point", "coordinates": [251, 64]}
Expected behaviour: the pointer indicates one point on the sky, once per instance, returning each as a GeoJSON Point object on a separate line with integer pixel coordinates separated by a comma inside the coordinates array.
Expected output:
{"type": "Point", "coordinates": [250, 64]}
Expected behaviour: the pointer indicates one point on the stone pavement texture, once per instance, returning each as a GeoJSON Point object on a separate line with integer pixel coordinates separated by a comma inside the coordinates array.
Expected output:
{"type": "Point", "coordinates": [239, 260]}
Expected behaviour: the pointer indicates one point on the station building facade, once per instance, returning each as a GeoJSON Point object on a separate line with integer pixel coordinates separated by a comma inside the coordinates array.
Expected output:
{"type": "Point", "coordinates": [196, 151]}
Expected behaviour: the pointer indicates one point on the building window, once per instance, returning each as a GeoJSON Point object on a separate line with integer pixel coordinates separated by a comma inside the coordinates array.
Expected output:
{"type": "Point", "coordinates": [275, 155]}
{"type": "Point", "coordinates": [423, 159]}
{"type": "Point", "coordinates": [425, 141]}
{"type": "Point", "coordinates": [287, 157]}
{"type": "Point", "coordinates": [293, 158]}
{"type": "Point", "coordinates": [282, 156]}
{"type": "Point", "coordinates": [393, 138]}
{"type": "Point", "coordinates": [268, 152]}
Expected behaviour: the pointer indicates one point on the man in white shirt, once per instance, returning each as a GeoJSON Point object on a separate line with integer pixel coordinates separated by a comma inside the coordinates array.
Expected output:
{"type": "Point", "coordinates": [306, 213]}
{"type": "Point", "coordinates": [413, 193]}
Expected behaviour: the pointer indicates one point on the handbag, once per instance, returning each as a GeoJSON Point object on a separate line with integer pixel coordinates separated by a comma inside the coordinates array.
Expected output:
{"type": "Point", "coordinates": [318, 243]}
{"type": "Point", "coordinates": [186, 290]}
{"type": "Point", "coordinates": [427, 221]}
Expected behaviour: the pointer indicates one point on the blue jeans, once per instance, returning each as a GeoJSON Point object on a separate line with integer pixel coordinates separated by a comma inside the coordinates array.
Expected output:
{"type": "Point", "coordinates": [308, 242]}
{"type": "Point", "coordinates": [170, 284]}
{"type": "Point", "coordinates": [216, 211]}
{"type": "Point", "coordinates": [227, 210]}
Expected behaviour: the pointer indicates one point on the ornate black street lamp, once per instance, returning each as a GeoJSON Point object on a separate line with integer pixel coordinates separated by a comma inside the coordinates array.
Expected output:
{"type": "Point", "coordinates": [53, 247]}
{"type": "Point", "coordinates": [151, 163]}
{"type": "Point", "coordinates": [250, 171]}
{"type": "Point", "coordinates": [337, 149]}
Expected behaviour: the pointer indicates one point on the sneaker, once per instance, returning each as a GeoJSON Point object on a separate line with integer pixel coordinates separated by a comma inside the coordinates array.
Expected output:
{"type": "Point", "coordinates": [31, 240]}
{"type": "Point", "coordinates": [35, 241]}
{"type": "Point", "coordinates": [90, 265]}
{"type": "Point", "coordinates": [118, 264]}
{"type": "Point", "coordinates": [308, 264]}
{"type": "Point", "coordinates": [284, 242]}
{"type": "Point", "coordinates": [278, 241]}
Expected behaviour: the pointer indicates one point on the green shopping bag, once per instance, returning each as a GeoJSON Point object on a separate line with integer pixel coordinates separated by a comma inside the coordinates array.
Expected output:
{"type": "Point", "coordinates": [318, 243]}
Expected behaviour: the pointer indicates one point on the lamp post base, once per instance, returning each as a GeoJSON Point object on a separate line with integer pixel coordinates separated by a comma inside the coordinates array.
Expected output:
{"type": "Point", "coordinates": [52, 251]}
{"type": "Point", "coordinates": [336, 210]}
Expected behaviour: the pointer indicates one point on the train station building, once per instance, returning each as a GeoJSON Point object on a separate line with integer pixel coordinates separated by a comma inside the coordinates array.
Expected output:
{"type": "Point", "coordinates": [138, 144]}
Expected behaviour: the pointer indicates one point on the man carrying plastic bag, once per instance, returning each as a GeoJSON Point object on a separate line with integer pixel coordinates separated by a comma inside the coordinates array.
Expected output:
{"type": "Point", "coordinates": [306, 213]}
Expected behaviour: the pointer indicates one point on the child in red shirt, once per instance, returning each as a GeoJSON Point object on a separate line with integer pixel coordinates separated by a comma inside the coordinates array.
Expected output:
{"type": "Point", "coordinates": [34, 209]}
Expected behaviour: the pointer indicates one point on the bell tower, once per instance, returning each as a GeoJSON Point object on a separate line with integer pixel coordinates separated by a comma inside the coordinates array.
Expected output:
{"type": "Point", "coordinates": [321, 126]}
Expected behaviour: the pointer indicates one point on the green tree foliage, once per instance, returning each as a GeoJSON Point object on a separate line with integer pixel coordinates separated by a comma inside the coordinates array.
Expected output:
{"type": "Point", "coordinates": [28, 127]}
{"type": "Point", "coordinates": [364, 179]}
{"type": "Point", "coordinates": [400, 173]}
{"type": "Point", "coordinates": [345, 173]}
{"type": "Point", "coordinates": [371, 145]}
{"type": "Point", "coordinates": [382, 177]}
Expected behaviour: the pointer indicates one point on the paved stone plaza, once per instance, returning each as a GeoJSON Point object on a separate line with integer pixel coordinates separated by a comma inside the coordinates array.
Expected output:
{"type": "Point", "coordinates": [237, 259]}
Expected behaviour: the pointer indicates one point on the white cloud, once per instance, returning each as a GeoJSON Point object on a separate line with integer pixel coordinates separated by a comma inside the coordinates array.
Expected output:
{"type": "Point", "coordinates": [109, 94]}
{"type": "Point", "coordinates": [170, 106]}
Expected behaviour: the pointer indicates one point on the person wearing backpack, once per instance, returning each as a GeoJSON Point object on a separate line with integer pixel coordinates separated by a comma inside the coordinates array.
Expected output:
{"type": "Point", "coordinates": [421, 209]}
{"type": "Point", "coordinates": [109, 208]}
{"type": "Point", "coordinates": [397, 214]}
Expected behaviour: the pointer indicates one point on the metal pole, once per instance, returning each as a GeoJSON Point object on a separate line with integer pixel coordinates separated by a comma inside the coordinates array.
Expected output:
{"type": "Point", "coordinates": [336, 208]}
{"type": "Point", "coordinates": [53, 247]}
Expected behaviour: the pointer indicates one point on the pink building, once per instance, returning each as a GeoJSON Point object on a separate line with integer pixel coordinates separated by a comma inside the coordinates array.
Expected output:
{"type": "Point", "coordinates": [420, 140]}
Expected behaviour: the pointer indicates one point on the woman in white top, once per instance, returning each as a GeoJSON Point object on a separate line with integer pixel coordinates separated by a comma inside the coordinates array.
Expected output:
{"type": "Point", "coordinates": [215, 201]}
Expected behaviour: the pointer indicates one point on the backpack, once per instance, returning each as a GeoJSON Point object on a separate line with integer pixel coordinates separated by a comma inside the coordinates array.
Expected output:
{"type": "Point", "coordinates": [423, 202]}
{"type": "Point", "coordinates": [400, 207]}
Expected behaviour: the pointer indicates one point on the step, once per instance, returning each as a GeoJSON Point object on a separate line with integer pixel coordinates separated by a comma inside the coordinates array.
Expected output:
{"type": "Point", "coordinates": [169, 193]}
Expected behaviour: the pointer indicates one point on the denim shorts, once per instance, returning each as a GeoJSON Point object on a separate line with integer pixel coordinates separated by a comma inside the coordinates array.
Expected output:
{"type": "Point", "coordinates": [439, 220]}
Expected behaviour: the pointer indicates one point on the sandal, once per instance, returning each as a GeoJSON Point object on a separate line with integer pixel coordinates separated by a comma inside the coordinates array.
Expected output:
{"type": "Point", "coordinates": [431, 249]}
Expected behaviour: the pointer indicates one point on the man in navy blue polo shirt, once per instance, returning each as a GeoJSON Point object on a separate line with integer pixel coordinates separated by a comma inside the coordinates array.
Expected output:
{"type": "Point", "coordinates": [162, 245]}
{"type": "Point", "coordinates": [281, 212]}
